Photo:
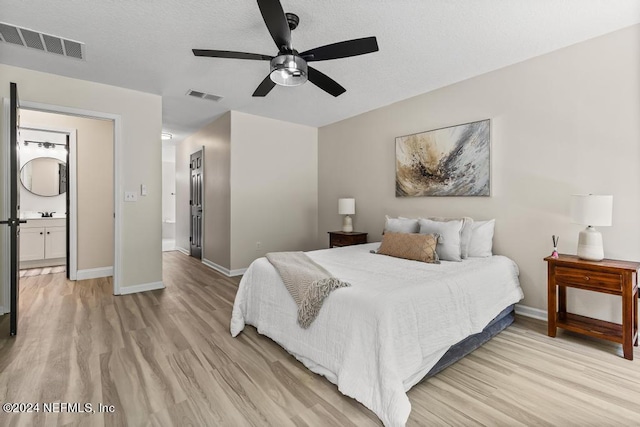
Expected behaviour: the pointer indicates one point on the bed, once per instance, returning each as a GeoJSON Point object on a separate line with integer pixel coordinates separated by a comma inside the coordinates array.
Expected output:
{"type": "Point", "coordinates": [381, 336]}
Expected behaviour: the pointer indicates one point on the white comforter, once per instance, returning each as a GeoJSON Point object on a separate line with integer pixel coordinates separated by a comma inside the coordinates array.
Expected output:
{"type": "Point", "coordinates": [379, 337]}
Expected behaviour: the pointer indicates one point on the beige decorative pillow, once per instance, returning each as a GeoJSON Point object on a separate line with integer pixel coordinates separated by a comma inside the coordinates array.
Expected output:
{"type": "Point", "coordinates": [416, 247]}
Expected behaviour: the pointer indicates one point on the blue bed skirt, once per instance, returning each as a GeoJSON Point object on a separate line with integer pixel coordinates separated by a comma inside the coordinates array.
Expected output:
{"type": "Point", "coordinates": [467, 345]}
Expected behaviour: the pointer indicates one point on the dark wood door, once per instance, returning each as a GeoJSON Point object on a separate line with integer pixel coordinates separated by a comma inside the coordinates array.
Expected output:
{"type": "Point", "coordinates": [197, 171]}
{"type": "Point", "coordinates": [14, 210]}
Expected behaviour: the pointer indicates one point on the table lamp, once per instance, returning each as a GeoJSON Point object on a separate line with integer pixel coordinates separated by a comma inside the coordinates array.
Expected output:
{"type": "Point", "coordinates": [591, 210]}
{"type": "Point", "coordinates": [347, 207]}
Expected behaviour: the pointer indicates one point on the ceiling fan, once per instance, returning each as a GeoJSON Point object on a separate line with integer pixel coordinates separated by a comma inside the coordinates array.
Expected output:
{"type": "Point", "coordinates": [288, 67]}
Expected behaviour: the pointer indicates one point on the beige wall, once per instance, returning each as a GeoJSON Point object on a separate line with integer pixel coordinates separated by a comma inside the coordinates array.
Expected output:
{"type": "Point", "coordinates": [274, 187]}
{"type": "Point", "coordinates": [141, 121]}
{"type": "Point", "coordinates": [216, 139]}
{"type": "Point", "coordinates": [261, 184]}
{"type": "Point", "coordinates": [94, 150]}
{"type": "Point", "coordinates": [564, 123]}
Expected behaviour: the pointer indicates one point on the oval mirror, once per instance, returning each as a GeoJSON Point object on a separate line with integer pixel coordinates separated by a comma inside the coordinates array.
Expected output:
{"type": "Point", "coordinates": [44, 176]}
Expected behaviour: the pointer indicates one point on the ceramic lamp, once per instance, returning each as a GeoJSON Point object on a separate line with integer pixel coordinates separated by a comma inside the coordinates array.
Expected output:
{"type": "Point", "coordinates": [591, 210]}
{"type": "Point", "coordinates": [347, 207]}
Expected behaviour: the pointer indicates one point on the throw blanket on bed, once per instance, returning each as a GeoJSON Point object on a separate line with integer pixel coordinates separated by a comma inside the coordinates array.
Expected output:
{"type": "Point", "coordinates": [307, 282]}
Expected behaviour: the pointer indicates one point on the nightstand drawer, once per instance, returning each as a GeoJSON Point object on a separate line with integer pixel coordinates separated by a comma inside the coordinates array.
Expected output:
{"type": "Point", "coordinates": [341, 238]}
{"type": "Point", "coordinates": [588, 278]}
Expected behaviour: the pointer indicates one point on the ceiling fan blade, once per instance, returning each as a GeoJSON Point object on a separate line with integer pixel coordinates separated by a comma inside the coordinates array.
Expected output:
{"type": "Point", "coordinates": [264, 87]}
{"type": "Point", "coordinates": [325, 82]}
{"type": "Point", "coordinates": [343, 49]}
{"type": "Point", "coordinates": [276, 22]}
{"type": "Point", "coordinates": [230, 54]}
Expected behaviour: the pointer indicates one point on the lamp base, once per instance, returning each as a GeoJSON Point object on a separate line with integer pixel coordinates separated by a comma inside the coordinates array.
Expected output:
{"type": "Point", "coordinates": [347, 224]}
{"type": "Point", "coordinates": [590, 245]}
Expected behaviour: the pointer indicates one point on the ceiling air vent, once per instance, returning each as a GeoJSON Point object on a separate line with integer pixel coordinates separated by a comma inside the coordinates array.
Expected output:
{"type": "Point", "coordinates": [40, 41]}
{"type": "Point", "coordinates": [203, 95]}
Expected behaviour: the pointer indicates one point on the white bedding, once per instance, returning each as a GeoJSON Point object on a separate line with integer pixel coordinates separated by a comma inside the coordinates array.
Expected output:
{"type": "Point", "coordinates": [379, 337]}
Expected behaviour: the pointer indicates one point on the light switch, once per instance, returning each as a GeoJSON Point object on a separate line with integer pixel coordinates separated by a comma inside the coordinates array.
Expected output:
{"type": "Point", "coordinates": [143, 190]}
{"type": "Point", "coordinates": [130, 196]}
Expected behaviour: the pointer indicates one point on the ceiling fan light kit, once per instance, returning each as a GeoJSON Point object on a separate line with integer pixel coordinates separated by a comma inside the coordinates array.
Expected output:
{"type": "Point", "coordinates": [288, 67]}
{"type": "Point", "coordinates": [288, 70]}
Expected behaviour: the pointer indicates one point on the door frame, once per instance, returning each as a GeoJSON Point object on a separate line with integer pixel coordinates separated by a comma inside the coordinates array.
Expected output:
{"type": "Point", "coordinates": [117, 173]}
{"type": "Point", "coordinates": [72, 189]}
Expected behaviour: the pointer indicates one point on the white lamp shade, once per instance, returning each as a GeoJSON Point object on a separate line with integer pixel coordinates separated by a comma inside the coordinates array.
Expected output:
{"type": "Point", "coordinates": [595, 210]}
{"type": "Point", "coordinates": [346, 206]}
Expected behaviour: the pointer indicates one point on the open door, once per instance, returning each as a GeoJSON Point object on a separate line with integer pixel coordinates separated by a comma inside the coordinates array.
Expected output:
{"type": "Point", "coordinates": [14, 209]}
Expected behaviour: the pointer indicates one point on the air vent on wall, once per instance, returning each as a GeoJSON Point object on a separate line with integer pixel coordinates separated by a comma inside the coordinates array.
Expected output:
{"type": "Point", "coordinates": [40, 41]}
{"type": "Point", "coordinates": [203, 95]}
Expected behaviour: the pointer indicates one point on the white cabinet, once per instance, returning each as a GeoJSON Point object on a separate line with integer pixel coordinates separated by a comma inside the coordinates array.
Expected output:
{"type": "Point", "coordinates": [31, 244]}
{"type": "Point", "coordinates": [43, 242]}
{"type": "Point", "coordinates": [55, 242]}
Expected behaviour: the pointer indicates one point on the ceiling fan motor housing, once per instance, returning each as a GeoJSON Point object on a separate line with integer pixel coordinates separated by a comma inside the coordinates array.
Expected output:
{"type": "Point", "coordinates": [288, 70]}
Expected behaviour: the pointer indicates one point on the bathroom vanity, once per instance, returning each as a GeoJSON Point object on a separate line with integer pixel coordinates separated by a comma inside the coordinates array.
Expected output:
{"type": "Point", "coordinates": [43, 242]}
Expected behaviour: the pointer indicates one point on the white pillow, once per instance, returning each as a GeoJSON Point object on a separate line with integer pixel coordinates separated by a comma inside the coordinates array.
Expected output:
{"type": "Point", "coordinates": [481, 244]}
{"type": "Point", "coordinates": [448, 247]}
{"type": "Point", "coordinates": [465, 233]}
{"type": "Point", "coordinates": [401, 225]}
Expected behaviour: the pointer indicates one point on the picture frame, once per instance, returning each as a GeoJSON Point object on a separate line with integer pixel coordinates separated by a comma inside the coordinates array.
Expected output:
{"type": "Point", "coordinates": [451, 161]}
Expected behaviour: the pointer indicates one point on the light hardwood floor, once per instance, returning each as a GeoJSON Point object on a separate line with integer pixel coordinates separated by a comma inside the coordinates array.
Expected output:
{"type": "Point", "coordinates": [166, 358]}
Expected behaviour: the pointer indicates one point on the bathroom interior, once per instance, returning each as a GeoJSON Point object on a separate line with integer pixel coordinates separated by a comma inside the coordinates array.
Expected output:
{"type": "Point", "coordinates": [43, 199]}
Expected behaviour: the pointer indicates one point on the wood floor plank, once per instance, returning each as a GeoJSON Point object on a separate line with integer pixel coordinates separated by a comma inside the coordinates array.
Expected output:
{"type": "Point", "coordinates": [166, 358]}
{"type": "Point", "coordinates": [211, 400]}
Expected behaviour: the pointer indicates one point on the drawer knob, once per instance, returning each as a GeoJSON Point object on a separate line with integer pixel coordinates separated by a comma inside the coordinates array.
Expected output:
{"type": "Point", "coordinates": [586, 278]}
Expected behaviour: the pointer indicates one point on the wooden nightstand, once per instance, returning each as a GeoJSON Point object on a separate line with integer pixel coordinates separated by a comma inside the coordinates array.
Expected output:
{"type": "Point", "coordinates": [607, 276]}
{"type": "Point", "coordinates": [344, 238]}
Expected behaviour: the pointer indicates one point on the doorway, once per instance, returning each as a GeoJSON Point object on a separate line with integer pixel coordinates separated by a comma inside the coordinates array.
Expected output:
{"type": "Point", "coordinates": [8, 248]}
{"type": "Point", "coordinates": [91, 213]}
{"type": "Point", "coordinates": [47, 158]}
{"type": "Point", "coordinates": [196, 167]}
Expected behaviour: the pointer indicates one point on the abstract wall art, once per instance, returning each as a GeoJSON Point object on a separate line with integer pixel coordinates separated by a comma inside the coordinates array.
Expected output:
{"type": "Point", "coordinates": [452, 161]}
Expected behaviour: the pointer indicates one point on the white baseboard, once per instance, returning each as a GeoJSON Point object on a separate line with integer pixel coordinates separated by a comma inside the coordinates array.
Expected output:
{"type": "Point", "coordinates": [534, 313]}
{"type": "Point", "coordinates": [216, 267]}
{"type": "Point", "coordinates": [168, 246]}
{"type": "Point", "coordinates": [223, 270]}
{"type": "Point", "coordinates": [2, 310]}
{"type": "Point", "coordinates": [153, 286]}
{"type": "Point", "coordinates": [94, 273]}
{"type": "Point", "coordinates": [42, 263]}
{"type": "Point", "coordinates": [238, 272]}
{"type": "Point", "coordinates": [183, 250]}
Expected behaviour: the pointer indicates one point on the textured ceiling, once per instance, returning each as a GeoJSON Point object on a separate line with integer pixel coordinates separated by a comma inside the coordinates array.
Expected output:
{"type": "Point", "coordinates": [424, 44]}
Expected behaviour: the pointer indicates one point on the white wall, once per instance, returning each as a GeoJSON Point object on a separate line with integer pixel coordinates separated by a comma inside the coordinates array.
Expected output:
{"type": "Point", "coordinates": [30, 203]}
{"type": "Point", "coordinates": [168, 191]}
{"type": "Point", "coordinates": [168, 194]}
{"type": "Point", "coordinates": [564, 123]}
{"type": "Point", "coordinates": [141, 120]}
{"type": "Point", "coordinates": [274, 187]}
